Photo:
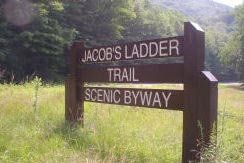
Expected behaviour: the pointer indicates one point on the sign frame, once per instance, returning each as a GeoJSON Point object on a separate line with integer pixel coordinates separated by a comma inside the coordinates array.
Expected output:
{"type": "Point", "coordinates": [200, 94]}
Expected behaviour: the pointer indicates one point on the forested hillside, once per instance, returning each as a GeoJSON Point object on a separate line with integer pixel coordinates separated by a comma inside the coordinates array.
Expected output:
{"type": "Point", "coordinates": [217, 20]}
{"type": "Point", "coordinates": [205, 12]}
{"type": "Point", "coordinates": [35, 36]}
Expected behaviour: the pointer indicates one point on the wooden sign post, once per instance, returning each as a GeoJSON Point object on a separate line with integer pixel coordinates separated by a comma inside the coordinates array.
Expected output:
{"type": "Point", "coordinates": [198, 100]}
{"type": "Point", "coordinates": [199, 107]}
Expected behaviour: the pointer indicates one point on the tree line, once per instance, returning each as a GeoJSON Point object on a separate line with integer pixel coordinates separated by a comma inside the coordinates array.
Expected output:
{"type": "Point", "coordinates": [232, 54]}
{"type": "Point", "coordinates": [35, 36]}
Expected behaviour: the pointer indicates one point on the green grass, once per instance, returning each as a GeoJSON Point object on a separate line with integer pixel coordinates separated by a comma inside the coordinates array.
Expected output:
{"type": "Point", "coordinates": [111, 134]}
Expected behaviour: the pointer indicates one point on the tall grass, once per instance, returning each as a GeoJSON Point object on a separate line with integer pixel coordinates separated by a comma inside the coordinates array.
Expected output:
{"type": "Point", "coordinates": [111, 134]}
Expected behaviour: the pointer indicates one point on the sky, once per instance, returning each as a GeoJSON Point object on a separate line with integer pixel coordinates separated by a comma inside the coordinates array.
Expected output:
{"type": "Point", "coordinates": [231, 3]}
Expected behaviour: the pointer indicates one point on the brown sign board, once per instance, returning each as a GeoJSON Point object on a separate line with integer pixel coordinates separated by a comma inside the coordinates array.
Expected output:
{"type": "Point", "coordinates": [167, 73]}
{"type": "Point", "coordinates": [158, 48]}
{"type": "Point", "coordinates": [198, 100]}
{"type": "Point", "coordinates": [151, 98]}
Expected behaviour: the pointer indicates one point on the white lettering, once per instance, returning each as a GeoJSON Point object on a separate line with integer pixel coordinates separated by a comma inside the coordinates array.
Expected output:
{"type": "Point", "coordinates": [118, 53]}
{"type": "Point", "coordinates": [135, 95]}
{"type": "Point", "coordinates": [143, 48]}
{"type": "Point", "coordinates": [127, 97]}
{"type": "Point", "coordinates": [107, 96]}
{"type": "Point", "coordinates": [166, 99]}
{"type": "Point", "coordinates": [162, 48]}
{"type": "Point", "coordinates": [145, 98]}
{"type": "Point", "coordinates": [135, 53]}
{"type": "Point", "coordinates": [83, 60]}
{"type": "Point", "coordinates": [95, 51]}
{"type": "Point", "coordinates": [100, 93]}
{"type": "Point", "coordinates": [110, 73]}
{"type": "Point", "coordinates": [117, 73]}
{"type": "Point", "coordinates": [124, 75]}
{"type": "Point", "coordinates": [156, 100]}
{"type": "Point", "coordinates": [118, 95]}
{"type": "Point", "coordinates": [133, 75]}
{"type": "Point", "coordinates": [102, 54]}
{"type": "Point", "coordinates": [109, 54]}
{"type": "Point", "coordinates": [173, 45]}
{"type": "Point", "coordinates": [87, 94]}
{"type": "Point", "coordinates": [93, 98]}
{"type": "Point", "coordinates": [153, 45]}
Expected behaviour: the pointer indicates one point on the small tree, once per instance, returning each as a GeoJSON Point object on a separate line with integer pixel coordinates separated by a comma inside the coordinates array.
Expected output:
{"type": "Point", "coordinates": [239, 15]}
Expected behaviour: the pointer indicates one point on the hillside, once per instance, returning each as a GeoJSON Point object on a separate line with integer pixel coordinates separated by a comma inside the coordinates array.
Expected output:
{"type": "Point", "coordinates": [205, 12]}
{"type": "Point", "coordinates": [41, 46]}
{"type": "Point", "coordinates": [217, 20]}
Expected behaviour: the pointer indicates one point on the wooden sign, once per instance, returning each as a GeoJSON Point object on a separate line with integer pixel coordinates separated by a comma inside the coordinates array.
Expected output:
{"type": "Point", "coordinates": [160, 48]}
{"type": "Point", "coordinates": [133, 74]}
{"type": "Point", "coordinates": [151, 98]}
{"type": "Point", "coordinates": [198, 100]}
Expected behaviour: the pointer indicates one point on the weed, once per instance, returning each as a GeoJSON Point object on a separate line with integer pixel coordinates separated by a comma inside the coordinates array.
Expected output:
{"type": "Point", "coordinates": [208, 150]}
{"type": "Point", "coordinates": [37, 82]}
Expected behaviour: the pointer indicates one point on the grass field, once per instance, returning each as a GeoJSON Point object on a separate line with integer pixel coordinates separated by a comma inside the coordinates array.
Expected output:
{"type": "Point", "coordinates": [32, 129]}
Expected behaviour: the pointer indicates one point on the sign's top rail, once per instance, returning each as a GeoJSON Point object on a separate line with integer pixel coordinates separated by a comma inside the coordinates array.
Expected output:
{"type": "Point", "coordinates": [148, 49]}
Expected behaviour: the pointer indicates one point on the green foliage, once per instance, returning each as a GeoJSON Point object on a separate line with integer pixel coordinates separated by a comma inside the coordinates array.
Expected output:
{"type": "Point", "coordinates": [233, 53]}
{"type": "Point", "coordinates": [205, 12]}
{"type": "Point", "coordinates": [41, 46]}
{"type": "Point", "coordinates": [239, 14]}
{"type": "Point", "coordinates": [230, 54]}
{"type": "Point", "coordinates": [215, 61]}
{"type": "Point", "coordinates": [152, 22]}
{"type": "Point", "coordinates": [217, 21]}
{"type": "Point", "coordinates": [5, 35]}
